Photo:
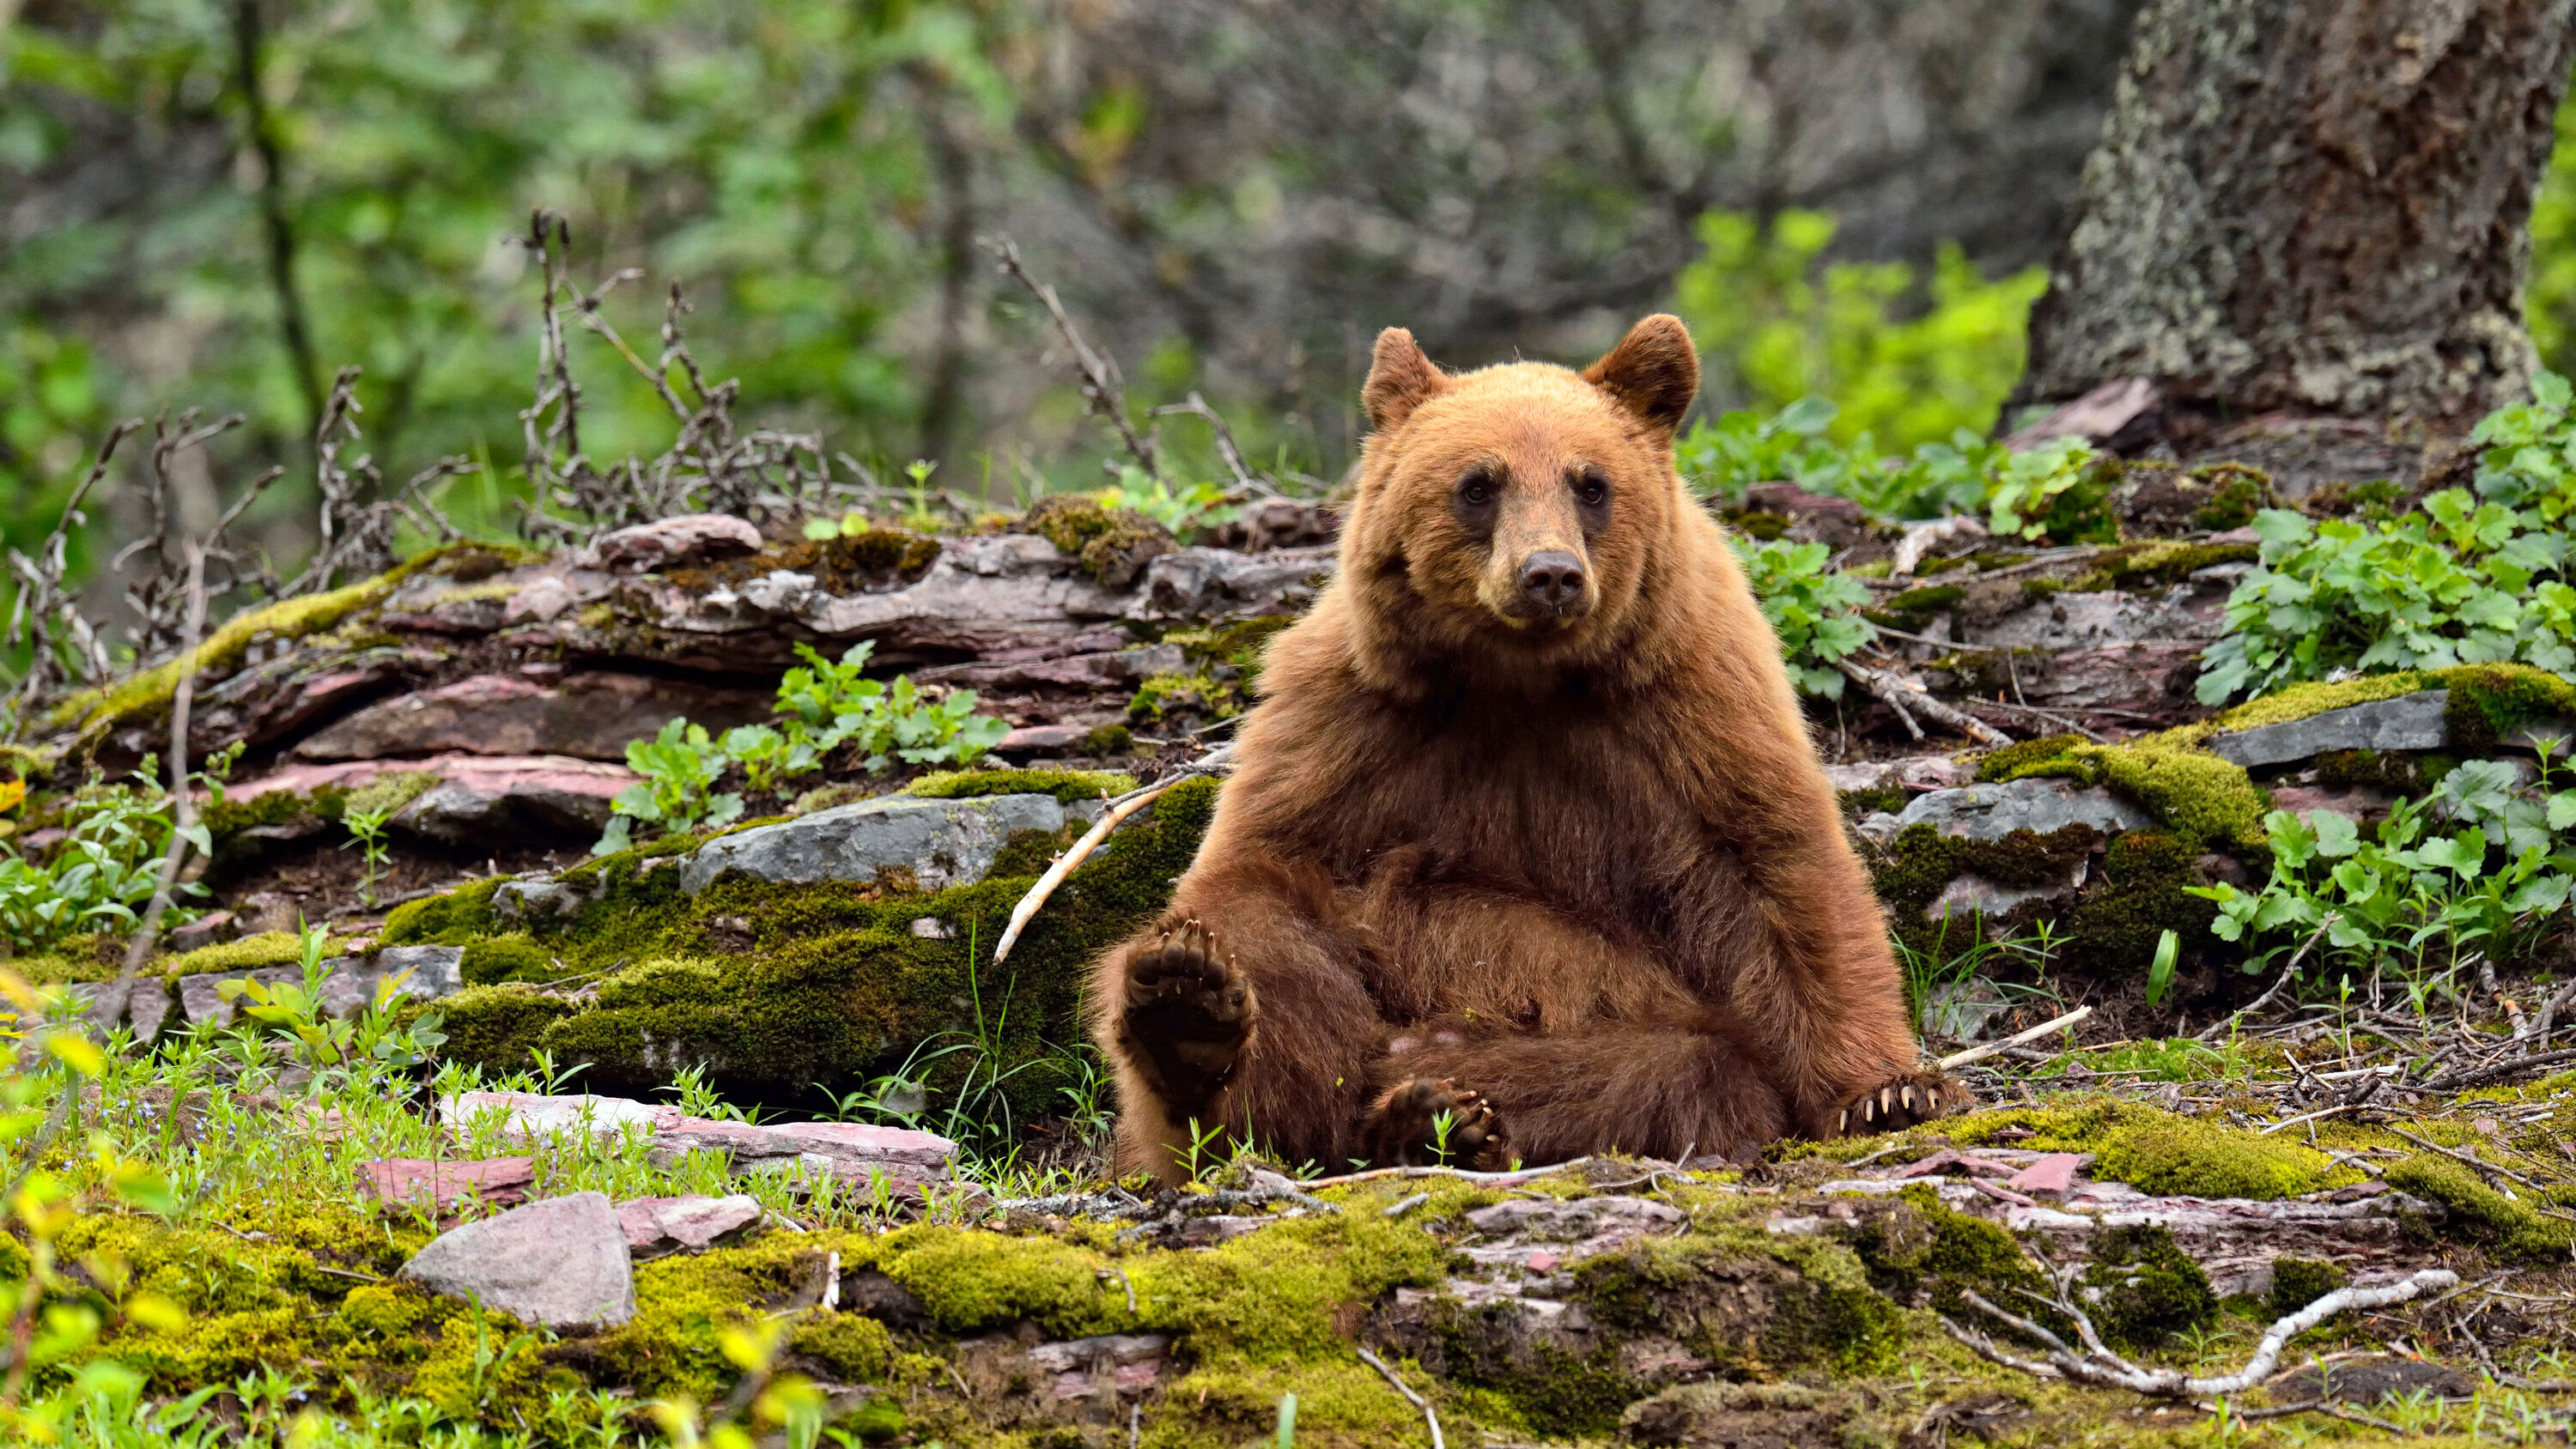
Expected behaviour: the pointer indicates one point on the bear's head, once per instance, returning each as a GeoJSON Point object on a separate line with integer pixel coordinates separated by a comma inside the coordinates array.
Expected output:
{"type": "Point", "coordinates": [1510, 521]}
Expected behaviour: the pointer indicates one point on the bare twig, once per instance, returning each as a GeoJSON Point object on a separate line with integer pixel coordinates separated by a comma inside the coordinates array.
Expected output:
{"type": "Point", "coordinates": [1908, 701]}
{"type": "Point", "coordinates": [1100, 384]}
{"type": "Point", "coordinates": [111, 1003]}
{"type": "Point", "coordinates": [41, 596]}
{"type": "Point", "coordinates": [1956, 1060]}
{"type": "Point", "coordinates": [1215, 762]}
{"type": "Point", "coordinates": [1245, 480]}
{"type": "Point", "coordinates": [2102, 1368]}
{"type": "Point", "coordinates": [1419, 1402]}
{"type": "Point", "coordinates": [2467, 1159]}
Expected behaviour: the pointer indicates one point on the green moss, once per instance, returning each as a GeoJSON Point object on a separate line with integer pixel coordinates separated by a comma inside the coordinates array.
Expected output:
{"type": "Point", "coordinates": [684, 1304]}
{"type": "Point", "coordinates": [2199, 797]}
{"type": "Point", "coordinates": [389, 792]}
{"type": "Point", "coordinates": [2388, 770]}
{"type": "Point", "coordinates": [2147, 876]}
{"type": "Point", "coordinates": [288, 619]}
{"type": "Point", "coordinates": [495, 959]}
{"type": "Point", "coordinates": [2484, 1212]}
{"type": "Point", "coordinates": [1108, 739]}
{"type": "Point", "coordinates": [2049, 755]}
{"type": "Point", "coordinates": [452, 919]}
{"type": "Point", "coordinates": [2299, 701]}
{"type": "Point", "coordinates": [2493, 702]}
{"type": "Point", "coordinates": [2162, 563]}
{"type": "Point", "coordinates": [1240, 644]}
{"type": "Point", "coordinates": [2143, 1289]}
{"type": "Point", "coordinates": [1069, 786]}
{"type": "Point", "coordinates": [1198, 695]}
{"type": "Point", "coordinates": [250, 953]}
{"type": "Point", "coordinates": [1911, 871]}
{"type": "Point", "coordinates": [227, 820]}
{"type": "Point", "coordinates": [2298, 1282]}
{"type": "Point", "coordinates": [2236, 492]}
{"type": "Point", "coordinates": [495, 1027]}
{"type": "Point", "coordinates": [1912, 608]}
{"type": "Point", "coordinates": [1112, 546]}
{"type": "Point", "coordinates": [2203, 1159]}
{"type": "Point", "coordinates": [1914, 1247]}
{"type": "Point", "coordinates": [849, 1347]}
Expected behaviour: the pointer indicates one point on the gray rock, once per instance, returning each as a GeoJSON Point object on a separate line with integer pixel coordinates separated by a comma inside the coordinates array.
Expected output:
{"type": "Point", "coordinates": [348, 988]}
{"type": "Point", "coordinates": [2092, 621]}
{"type": "Point", "coordinates": [683, 539]}
{"type": "Point", "coordinates": [590, 716]}
{"type": "Point", "coordinates": [2037, 804]}
{"type": "Point", "coordinates": [561, 1263]}
{"type": "Point", "coordinates": [1959, 1010]}
{"type": "Point", "coordinates": [2408, 722]}
{"type": "Point", "coordinates": [1972, 895]}
{"type": "Point", "coordinates": [938, 843]}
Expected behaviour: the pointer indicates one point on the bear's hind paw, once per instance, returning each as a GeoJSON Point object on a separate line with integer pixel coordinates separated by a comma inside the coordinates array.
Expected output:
{"type": "Point", "coordinates": [1420, 1120]}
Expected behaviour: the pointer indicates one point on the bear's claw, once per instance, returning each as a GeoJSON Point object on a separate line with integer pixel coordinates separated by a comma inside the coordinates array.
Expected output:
{"type": "Point", "coordinates": [1189, 1011]}
{"type": "Point", "coordinates": [1919, 1097]}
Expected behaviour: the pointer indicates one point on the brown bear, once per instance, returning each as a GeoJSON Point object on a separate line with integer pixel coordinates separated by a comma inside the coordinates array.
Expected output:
{"type": "Point", "coordinates": [1527, 853]}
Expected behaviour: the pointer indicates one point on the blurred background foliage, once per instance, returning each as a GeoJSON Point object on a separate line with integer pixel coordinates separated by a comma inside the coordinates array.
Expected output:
{"type": "Point", "coordinates": [217, 203]}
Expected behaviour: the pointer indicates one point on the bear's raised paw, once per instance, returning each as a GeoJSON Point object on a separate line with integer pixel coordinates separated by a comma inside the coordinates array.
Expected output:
{"type": "Point", "coordinates": [1916, 1097]}
{"type": "Point", "coordinates": [1188, 1012]}
{"type": "Point", "coordinates": [1420, 1121]}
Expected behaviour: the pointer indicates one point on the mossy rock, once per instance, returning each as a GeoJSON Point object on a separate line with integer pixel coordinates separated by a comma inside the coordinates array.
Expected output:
{"type": "Point", "coordinates": [495, 959]}
{"type": "Point", "coordinates": [2198, 796]}
{"type": "Point", "coordinates": [2298, 1282]}
{"type": "Point", "coordinates": [837, 984]}
{"type": "Point", "coordinates": [1197, 696]}
{"type": "Point", "coordinates": [2202, 1159]}
{"type": "Point", "coordinates": [1111, 545]}
{"type": "Point", "coordinates": [2482, 1213]}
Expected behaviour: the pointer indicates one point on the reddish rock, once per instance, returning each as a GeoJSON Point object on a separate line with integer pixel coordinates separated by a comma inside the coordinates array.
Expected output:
{"type": "Point", "coordinates": [501, 1181]}
{"type": "Point", "coordinates": [592, 716]}
{"type": "Point", "coordinates": [847, 1150]}
{"type": "Point", "coordinates": [669, 1224]}
{"type": "Point", "coordinates": [2054, 1173]}
{"type": "Point", "coordinates": [210, 929]}
{"type": "Point", "coordinates": [689, 538]}
{"type": "Point", "coordinates": [1044, 740]}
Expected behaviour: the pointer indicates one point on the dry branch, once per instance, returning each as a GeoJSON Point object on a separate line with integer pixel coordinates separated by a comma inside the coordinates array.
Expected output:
{"type": "Point", "coordinates": [1214, 762]}
{"type": "Point", "coordinates": [1909, 701]}
{"type": "Point", "coordinates": [2099, 1366]}
{"type": "Point", "coordinates": [1100, 382]}
{"type": "Point", "coordinates": [1419, 1402]}
{"type": "Point", "coordinates": [1956, 1060]}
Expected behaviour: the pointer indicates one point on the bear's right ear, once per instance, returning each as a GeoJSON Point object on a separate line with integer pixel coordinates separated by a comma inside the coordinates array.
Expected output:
{"type": "Point", "coordinates": [1399, 379]}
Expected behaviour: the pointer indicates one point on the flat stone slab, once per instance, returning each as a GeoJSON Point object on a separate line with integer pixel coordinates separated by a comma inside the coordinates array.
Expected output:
{"type": "Point", "coordinates": [348, 988]}
{"type": "Point", "coordinates": [2408, 722]}
{"type": "Point", "coordinates": [928, 845]}
{"type": "Point", "coordinates": [561, 1263]}
{"type": "Point", "coordinates": [676, 1224]}
{"type": "Point", "coordinates": [502, 1181]}
{"type": "Point", "coordinates": [2038, 804]}
{"type": "Point", "coordinates": [851, 1151]}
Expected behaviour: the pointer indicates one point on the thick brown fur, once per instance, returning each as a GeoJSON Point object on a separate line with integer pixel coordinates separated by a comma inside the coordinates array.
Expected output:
{"type": "Point", "coordinates": [1512, 869]}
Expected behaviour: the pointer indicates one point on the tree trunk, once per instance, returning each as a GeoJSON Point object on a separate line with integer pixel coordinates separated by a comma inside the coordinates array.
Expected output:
{"type": "Point", "coordinates": [2312, 211]}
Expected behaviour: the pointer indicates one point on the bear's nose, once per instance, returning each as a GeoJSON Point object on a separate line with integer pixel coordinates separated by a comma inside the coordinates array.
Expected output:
{"type": "Point", "coordinates": [1552, 580]}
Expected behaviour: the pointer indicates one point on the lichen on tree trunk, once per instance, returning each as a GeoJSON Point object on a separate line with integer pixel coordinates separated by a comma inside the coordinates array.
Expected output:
{"type": "Point", "coordinates": [2318, 209]}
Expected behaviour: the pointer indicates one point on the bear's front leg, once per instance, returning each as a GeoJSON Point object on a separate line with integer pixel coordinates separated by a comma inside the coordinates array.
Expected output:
{"type": "Point", "coordinates": [1188, 1013]}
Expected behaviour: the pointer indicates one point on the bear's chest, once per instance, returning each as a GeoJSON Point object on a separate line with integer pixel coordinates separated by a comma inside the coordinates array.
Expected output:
{"type": "Point", "coordinates": [1571, 810]}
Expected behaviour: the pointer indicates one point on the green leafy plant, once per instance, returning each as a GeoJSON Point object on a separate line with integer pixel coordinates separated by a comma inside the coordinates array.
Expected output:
{"type": "Point", "coordinates": [103, 874]}
{"type": "Point", "coordinates": [2160, 971]}
{"type": "Point", "coordinates": [1194, 505]}
{"type": "Point", "coordinates": [2474, 577]}
{"type": "Point", "coordinates": [1740, 448]}
{"type": "Point", "coordinates": [2055, 491]}
{"type": "Point", "coordinates": [367, 832]}
{"type": "Point", "coordinates": [360, 1046]}
{"type": "Point", "coordinates": [680, 767]}
{"type": "Point", "coordinates": [1815, 611]}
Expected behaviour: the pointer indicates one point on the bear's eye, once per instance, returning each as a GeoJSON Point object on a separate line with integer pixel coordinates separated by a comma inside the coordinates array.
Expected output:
{"type": "Point", "coordinates": [1476, 488]}
{"type": "Point", "coordinates": [1593, 487]}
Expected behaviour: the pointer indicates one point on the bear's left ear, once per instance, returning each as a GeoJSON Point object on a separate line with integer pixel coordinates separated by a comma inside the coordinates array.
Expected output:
{"type": "Point", "coordinates": [1653, 372]}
